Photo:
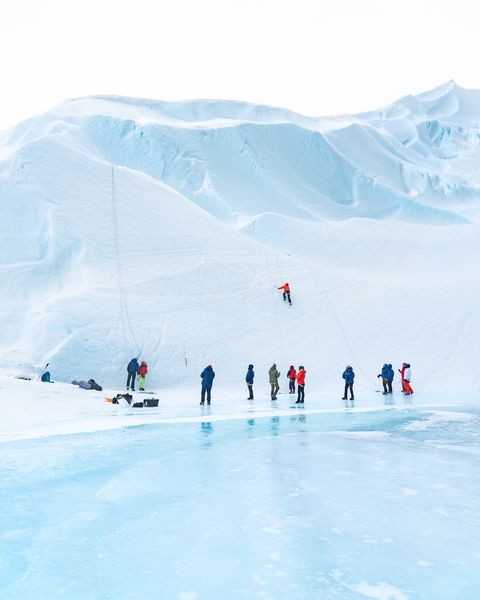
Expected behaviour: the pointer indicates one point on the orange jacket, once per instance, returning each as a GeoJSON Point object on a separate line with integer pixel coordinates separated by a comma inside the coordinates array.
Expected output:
{"type": "Point", "coordinates": [301, 377]}
{"type": "Point", "coordinates": [285, 287]}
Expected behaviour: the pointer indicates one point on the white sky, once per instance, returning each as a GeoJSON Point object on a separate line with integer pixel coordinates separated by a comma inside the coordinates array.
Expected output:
{"type": "Point", "coordinates": [318, 57]}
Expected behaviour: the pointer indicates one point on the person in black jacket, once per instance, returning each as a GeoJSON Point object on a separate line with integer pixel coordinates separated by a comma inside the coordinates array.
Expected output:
{"type": "Point", "coordinates": [292, 375]}
{"type": "Point", "coordinates": [207, 376]}
{"type": "Point", "coordinates": [249, 379]}
{"type": "Point", "coordinates": [132, 370]}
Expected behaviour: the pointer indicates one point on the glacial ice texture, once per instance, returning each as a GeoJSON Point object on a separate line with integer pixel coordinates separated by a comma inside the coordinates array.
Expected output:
{"type": "Point", "coordinates": [381, 505]}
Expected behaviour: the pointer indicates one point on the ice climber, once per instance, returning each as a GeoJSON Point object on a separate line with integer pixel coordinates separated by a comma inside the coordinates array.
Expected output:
{"type": "Point", "coordinates": [286, 292]}
{"type": "Point", "coordinates": [249, 379]}
{"type": "Point", "coordinates": [132, 370]}
{"type": "Point", "coordinates": [406, 374]}
{"type": "Point", "coordinates": [349, 376]}
{"type": "Point", "coordinates": [207, 375]}
{"type": "Point", "coordinates": [292, 374]}
{"type": "Point", "coordinates": [387, 378]}
{"type": "Point", "coordinates": [273, 376]}
{"type": "Point", "coordinates": [142, 373]}
{"type": "Point", "coordinates": [301, 385]}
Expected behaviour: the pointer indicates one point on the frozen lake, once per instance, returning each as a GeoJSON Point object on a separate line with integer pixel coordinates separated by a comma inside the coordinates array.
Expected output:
{"type": "Point", "coordinates": [382, 505]}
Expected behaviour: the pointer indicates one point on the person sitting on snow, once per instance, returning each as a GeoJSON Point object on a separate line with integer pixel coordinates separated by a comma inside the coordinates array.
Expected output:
{"type": "Point", "coordinates": [46, 377]}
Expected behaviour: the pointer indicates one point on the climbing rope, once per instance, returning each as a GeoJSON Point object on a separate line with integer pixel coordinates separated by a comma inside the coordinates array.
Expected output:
{"type": "Point", "coordinates": [329, 304]}
{"type": "Point", "coordinates": [124, 313]}
{"type": "Point", "coordinates": [275, 302]}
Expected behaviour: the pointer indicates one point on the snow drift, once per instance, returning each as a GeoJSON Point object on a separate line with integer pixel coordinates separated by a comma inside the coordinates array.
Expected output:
{"type": "Point", "coordinates": [373, 220]}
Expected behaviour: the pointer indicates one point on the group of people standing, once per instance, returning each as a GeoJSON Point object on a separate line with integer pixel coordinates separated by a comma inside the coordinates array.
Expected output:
{"type": "Point", "coordinates": [293, 377]}
{"type": "Point", "coordinates": [296, 378]}
{"type": "Point", "coordinates": [208, 375]}
{"type": "Point", "coordinates": [136, 371]}
{"type": "Point", "coordinates": [387, 375]}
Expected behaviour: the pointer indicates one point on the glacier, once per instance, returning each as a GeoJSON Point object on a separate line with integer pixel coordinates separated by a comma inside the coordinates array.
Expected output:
{"type": "Point", "coordinates": [163, 229]}
{"type": "Point", "coordinates": [371, 218]}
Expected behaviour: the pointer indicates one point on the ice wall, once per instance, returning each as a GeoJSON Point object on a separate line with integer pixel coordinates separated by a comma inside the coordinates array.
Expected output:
{"type": "Point", "coordinates": [372, 219]}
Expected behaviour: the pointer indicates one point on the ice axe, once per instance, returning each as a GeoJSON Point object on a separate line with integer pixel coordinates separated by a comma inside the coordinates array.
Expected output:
{"type": "Point", "coordinates": [43, 371]}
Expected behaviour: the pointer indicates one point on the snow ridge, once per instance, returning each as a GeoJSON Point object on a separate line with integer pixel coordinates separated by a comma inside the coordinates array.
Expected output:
{"type": "Point", "coordinates": [218, 202]}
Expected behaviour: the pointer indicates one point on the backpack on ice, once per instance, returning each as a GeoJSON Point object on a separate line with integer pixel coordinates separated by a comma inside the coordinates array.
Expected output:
{"type": "Point", "coordinates": [150, 402]}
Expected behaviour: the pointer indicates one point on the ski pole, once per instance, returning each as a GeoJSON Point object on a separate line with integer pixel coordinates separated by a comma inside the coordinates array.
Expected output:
{"type": "Point", "coordinates": [43, 371]}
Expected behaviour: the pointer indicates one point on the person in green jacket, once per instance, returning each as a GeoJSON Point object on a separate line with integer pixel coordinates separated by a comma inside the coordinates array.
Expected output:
{"type": "Point", "coordinates": [273, 376]}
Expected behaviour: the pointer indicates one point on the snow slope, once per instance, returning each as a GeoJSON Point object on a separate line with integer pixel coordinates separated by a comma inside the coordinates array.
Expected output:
{"type": "Point", "coordinates": [373, 219]}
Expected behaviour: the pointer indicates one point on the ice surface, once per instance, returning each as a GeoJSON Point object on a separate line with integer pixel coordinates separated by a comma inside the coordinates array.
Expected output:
{"type": "Point", "coordinates": [340, 505]}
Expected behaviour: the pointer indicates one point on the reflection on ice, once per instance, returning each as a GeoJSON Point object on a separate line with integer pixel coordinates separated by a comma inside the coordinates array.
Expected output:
{"type": "Point", "coordinates": [348, 505]}
{"type": "Point", "coordinates": [207, 431]}
{"type": "Point", "coordinates": [275, 425]}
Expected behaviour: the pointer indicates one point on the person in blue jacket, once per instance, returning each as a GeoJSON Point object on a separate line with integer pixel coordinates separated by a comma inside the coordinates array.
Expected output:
{"type": "Point", "coordinates": [249, 379]}
{"type": "Point", "coordinates": [132, 370]}
{"type": "Point", "coordinates": [385, 375]}
{"type": "Point", "coordinates": [390, 373]}
{"type": "Point", "coordinates": [349, 376]}
{"type": "Point", "coordinates": [207, 376]}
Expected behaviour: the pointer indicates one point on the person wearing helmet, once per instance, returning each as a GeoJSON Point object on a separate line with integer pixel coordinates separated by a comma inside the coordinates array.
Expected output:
{"type": "Point", "coordinates": [286, 292]}
{"type": "Point", "coordinates": [349, 376]}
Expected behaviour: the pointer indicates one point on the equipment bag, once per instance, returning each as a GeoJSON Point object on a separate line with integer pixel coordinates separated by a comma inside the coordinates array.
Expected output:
{"type": "Point", "coordinates": [151, 402]}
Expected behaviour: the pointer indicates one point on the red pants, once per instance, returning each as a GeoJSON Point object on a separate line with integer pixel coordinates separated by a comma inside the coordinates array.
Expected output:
{"type": "Point", "coordinates": [406, 387]}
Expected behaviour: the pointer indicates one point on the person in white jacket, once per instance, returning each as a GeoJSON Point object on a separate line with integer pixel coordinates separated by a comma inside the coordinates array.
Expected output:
{"type": "Point", "coordinates": [406, 375]}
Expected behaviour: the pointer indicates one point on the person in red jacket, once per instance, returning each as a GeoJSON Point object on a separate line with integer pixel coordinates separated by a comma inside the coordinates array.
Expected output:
{"type": "Point", "coordinates": [142, 373]}
{"type": "Point", "coordinates": [301, 385]}
{"type": "Point", "coordinates": [406, 374]}
{"type": "Point", "coordinates": [286, 292]}
{"type": "Point", "coordinates": [292, 374]}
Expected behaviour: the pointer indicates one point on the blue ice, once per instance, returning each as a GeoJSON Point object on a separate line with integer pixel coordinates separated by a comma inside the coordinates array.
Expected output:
{"type": "Point", "coordinates": [378, 505]}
